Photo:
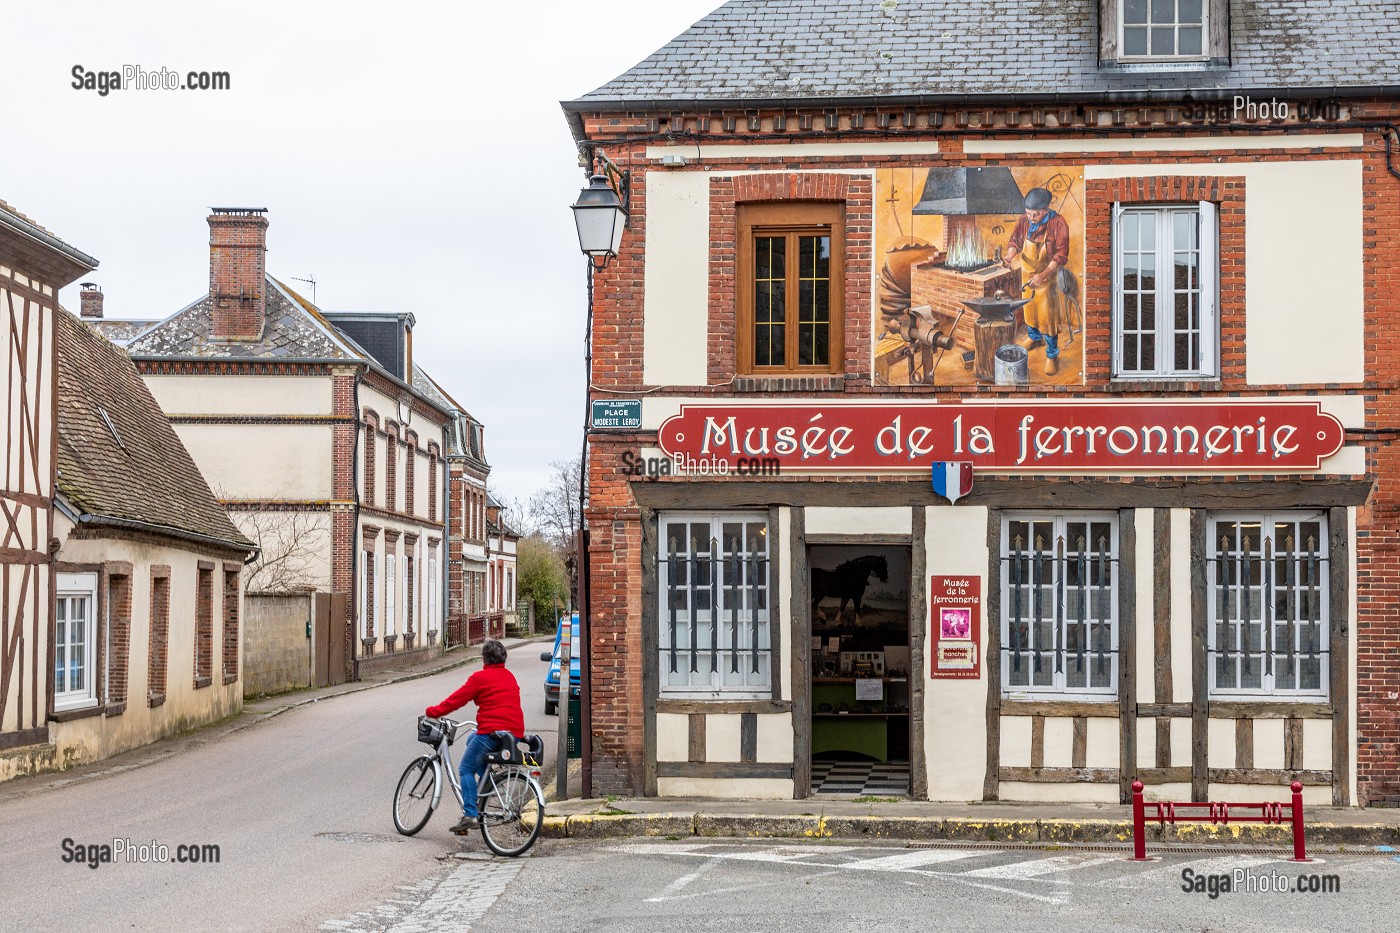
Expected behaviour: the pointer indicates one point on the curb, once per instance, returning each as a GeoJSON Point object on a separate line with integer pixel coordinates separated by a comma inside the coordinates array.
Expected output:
{"type": "Point", "coordinates": [950, 829]}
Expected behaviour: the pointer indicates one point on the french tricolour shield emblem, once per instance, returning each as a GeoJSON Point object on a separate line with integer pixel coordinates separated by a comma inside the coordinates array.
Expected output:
{"type": "Point", "coordinates": [952, 479]}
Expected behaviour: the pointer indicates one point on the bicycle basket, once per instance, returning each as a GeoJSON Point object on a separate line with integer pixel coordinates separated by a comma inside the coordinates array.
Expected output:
{"type": "Point", "coordinates": [429, 730]}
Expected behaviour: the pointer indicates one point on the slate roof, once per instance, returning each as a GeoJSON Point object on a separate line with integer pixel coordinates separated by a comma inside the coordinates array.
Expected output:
{"type": "Point", "coordinates": [137, 470]}
{"type": "Point", "coordinates": [294, 330]}
{"type": "Point", "coordinates": [793, 50]}
{"type": "Point", "coordinates": [118, 330]}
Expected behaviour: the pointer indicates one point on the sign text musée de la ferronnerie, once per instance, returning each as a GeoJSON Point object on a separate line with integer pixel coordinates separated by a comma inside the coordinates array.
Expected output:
{"type": "Point", "coordinates": [1029, 437]}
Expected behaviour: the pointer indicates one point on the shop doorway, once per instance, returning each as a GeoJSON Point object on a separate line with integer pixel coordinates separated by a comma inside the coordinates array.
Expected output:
{"type": "Point", "coordinates": [861, 725]}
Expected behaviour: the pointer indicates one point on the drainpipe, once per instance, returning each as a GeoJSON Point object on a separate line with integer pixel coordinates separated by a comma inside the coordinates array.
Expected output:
{"type": "Point", "coordinates": [354, 607]}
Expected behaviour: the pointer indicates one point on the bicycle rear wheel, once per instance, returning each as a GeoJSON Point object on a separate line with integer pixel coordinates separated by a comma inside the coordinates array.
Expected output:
{"type": "Point", "coordinates": [416, 795]}
{"type": "Point", "coordinates": [511, 809]}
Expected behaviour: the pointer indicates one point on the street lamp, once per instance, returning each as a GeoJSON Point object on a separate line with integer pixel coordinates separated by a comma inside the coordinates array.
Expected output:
{"type": "Point", "coordinates": [600, 213]}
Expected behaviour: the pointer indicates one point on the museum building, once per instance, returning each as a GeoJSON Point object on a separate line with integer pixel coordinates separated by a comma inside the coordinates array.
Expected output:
{"type": "Point", "coordinates": [1021, 399]}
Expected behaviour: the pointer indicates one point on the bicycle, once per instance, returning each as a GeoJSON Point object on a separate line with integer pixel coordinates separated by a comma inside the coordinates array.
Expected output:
{"type": "Point", "coordinates": [510, 802]}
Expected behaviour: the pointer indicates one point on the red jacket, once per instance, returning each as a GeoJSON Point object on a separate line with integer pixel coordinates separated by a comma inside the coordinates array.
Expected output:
{"type": "Point", "coordinates": [497, 698]}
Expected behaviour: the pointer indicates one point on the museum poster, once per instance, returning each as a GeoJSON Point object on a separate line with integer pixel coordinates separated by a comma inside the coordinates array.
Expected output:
{"type": "Point", "coordinates": [955, 607]}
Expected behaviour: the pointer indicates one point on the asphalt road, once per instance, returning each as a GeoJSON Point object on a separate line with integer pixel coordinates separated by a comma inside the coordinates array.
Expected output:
{"type": "Point", "coordinates": [299, 807]}
{"type": "Point", "coordinates": [691, 885]}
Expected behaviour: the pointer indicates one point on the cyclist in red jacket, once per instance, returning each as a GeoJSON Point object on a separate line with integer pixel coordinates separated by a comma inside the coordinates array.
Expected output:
{"type": "Point", "coordinates": [497, 697]}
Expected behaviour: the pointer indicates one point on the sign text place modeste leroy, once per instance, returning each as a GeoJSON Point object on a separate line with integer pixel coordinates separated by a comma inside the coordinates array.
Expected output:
{"type": "Point", "coordinates": [1031, 437]}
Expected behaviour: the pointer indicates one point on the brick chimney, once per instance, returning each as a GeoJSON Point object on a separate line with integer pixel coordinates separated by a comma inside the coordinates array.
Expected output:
{"type": "Point", "coordinates": [91, 298]}
{"type": "Point", "coordinates": [237, 271]}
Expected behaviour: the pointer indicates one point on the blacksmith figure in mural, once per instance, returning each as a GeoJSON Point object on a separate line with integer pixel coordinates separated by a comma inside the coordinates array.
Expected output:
{"type": "Point", "coordinates": [1041, 242]}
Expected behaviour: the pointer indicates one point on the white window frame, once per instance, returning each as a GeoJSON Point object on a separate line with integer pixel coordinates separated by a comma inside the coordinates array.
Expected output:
{"type": "Point", "coordinates": [1175, 55]}
{"type": "Point", "coordinates": [391, 594]}
{"type": "Point", "coordinates": [76, 586]}
{"type": "Point", "coordinates": [1268, 675]}
{"type": "Point", "coordinates": [1206, 293]}
{"type": "Point", "coordinates": [1058, 598]}
{"type": "Point", "coordinates": [704, 683]}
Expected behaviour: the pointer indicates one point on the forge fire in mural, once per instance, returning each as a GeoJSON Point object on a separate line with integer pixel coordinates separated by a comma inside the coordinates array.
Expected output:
{"type": "Point", "coordinates": [980, 272]}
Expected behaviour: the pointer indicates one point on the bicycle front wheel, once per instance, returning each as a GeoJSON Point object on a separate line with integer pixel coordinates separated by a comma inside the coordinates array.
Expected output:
{"type": "Point", "coordinates": [416, 795]}
{"type": "Point", "coordinates": [511, 809]}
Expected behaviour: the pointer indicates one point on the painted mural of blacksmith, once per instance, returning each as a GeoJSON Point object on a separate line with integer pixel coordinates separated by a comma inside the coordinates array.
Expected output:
{"type": "Point", "coordinates": [1041, 241]}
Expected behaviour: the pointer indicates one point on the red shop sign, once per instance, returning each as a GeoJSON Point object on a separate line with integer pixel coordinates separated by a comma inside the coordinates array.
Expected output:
{"type": "Point", "coordinates": [1027, 437]}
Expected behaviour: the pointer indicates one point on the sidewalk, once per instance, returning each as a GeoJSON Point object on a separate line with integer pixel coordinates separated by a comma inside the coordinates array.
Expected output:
{"type": "Point", "coordinates": [254, 712]}
{"type": "Point", "coordinates": [1328, 829]}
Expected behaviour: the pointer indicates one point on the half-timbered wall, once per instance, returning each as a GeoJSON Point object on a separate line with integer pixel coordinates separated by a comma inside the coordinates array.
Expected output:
{"type": "Point", "coordinates": [26, 505]}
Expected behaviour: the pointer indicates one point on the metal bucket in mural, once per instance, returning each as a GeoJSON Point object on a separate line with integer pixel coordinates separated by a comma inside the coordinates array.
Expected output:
{"type": "Point", "coordinates": [953, 238]}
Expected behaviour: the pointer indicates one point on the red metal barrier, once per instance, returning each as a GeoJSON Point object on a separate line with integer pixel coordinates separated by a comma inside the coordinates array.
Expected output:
{"type": "Point", "coordinates": [1272, 812]}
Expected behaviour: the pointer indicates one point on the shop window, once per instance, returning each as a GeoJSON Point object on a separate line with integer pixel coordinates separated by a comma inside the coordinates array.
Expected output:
{"type": "Point", "coordinates": [75, 642]}
{"type": "Point", "coordinates": [789, 301]}
{"type": "Point", "coordinates": [714, 577]}
{"type": "Point", "coordinates": [1268, 582]}
{"type": "Point", "coordinates": [1165, 270]}
{"type": "Point", "coordinates": [1059, 627]}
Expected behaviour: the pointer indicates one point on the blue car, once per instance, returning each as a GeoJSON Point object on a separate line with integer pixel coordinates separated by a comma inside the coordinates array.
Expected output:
{"type": "Point", "coordinates": [551, 680]}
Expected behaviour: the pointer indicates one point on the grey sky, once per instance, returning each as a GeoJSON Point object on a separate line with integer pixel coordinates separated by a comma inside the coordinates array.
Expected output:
{"type": "Point", "coordinates": [413, 158]}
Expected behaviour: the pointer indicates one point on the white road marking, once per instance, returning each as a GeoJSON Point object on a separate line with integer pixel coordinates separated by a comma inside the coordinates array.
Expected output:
{"type": "Point", "coordinates": [1034, 868]}
{"type": "Point", "coordinates": [1220, 865]}
{"type": "Point", "coordinates": [909, 860]}
{"type": "Point", "coordinates": [675, 886]}
{"type": "Point", "coordinates": [1047, 898]}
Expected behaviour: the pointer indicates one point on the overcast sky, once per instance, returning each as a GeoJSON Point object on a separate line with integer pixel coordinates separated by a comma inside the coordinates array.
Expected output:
{"type": "Point", "coordinates": [412, 158]}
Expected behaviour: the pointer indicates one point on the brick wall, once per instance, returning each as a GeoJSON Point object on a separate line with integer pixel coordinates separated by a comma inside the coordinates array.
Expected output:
{"type": "Point", "coordinates": [237, 274]}
{"type": "Point", "coordinates": [119, 635]}
{"type": "Point", "coordinates": [618, 348]}
{"type": "Point", "coordinates": [204, 626]}
{"type": "Point", "coordinates": [159, 663]}
{"type": "Point", "coordinates": [232, 606]}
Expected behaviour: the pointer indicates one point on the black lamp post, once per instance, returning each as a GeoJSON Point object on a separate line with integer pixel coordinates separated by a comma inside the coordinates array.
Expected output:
{"type": "Point", "coordinates": [600, 214]}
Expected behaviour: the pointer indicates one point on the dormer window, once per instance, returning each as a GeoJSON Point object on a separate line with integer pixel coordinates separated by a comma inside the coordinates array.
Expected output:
{"type": "Point", "coordinates": [1163, 28]}
{"type": "Point", "coordinates": [1163, 31]}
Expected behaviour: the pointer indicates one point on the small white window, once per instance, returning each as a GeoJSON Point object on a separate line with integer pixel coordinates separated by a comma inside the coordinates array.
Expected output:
{"type": "Point", "coordinates": [714, 578]}
{"type": "Point", "coordinates": [1059, 598]}
{"type": "Point", "coordinates": [1165, 262]}
{"type": "Point", "coordinates": [75, 642]}
{"type": "Point", "coordinates": [1268, 586]}
{"type": "Point", "coordinates": [391, 606]}
{"type": "Point", "coordinates": [1163, 29]}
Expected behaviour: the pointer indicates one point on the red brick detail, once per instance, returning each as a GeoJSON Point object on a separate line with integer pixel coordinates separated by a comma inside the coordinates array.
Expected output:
{"type": "Point", "coordinates": [204, 628]}
{"type": "Point", "coordinates": [158, 663]}
{"type": "Point", "coordinates": [391, 466]}
{"type": "Point", "coordinates": [232, 601]}
{"type": "Point", "coordinates": [118, 635]}
{"type": "Point", "coordinates": [433, 454]}
{"type": "Point", "coordinates": [410, 487]}
{"type": "Point", "coordinates": [726, 194]}
{"type": "Point", "coordinates": [1227, 192]}
{"type": "Point", "coordinates": [344, 554]}
{"type": "Point", "coordinates": [367, 494]}
{"type": "Point", "coordinates": [237, 274]}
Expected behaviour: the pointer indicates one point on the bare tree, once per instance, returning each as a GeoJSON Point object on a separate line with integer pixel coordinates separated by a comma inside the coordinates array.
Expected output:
{"type": "Point", "coordinates": [554, 515]}
{"type": "Point", "coordinates": [292, 544]}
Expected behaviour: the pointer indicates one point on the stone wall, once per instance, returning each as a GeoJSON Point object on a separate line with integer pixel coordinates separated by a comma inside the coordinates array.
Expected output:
{"type": "Point", "coordinates": [276, 651]}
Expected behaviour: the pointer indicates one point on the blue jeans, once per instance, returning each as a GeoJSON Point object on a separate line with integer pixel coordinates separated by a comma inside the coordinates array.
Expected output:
{"type": "Point", "coordinates": [1052, 343]}
{"type": "Point", "coordinates": [473, 766]}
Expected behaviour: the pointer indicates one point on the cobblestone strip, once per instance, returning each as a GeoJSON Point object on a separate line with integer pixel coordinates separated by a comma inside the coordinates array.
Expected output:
{"type": "Point", "coordinates": [447, 901]}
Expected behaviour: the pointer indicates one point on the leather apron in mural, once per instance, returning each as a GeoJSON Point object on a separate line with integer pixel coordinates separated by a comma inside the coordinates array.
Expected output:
{"type": "Point", "coordinates": [1043, 312]}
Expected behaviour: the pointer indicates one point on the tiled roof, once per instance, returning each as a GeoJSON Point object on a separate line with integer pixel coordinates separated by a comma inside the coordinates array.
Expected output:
{"type": "Point", "coordinates": [792, 50]}
{"type": "Point", "coordinates": [118, 330]}
{"type": "Point", "coordinates": [118, 456]}
{"type": "Point", "coordinates": [293, 331]}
